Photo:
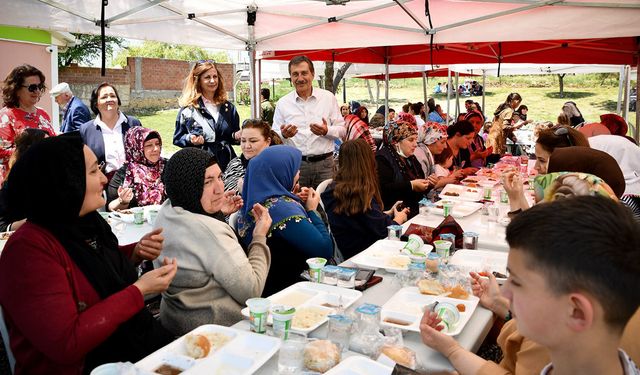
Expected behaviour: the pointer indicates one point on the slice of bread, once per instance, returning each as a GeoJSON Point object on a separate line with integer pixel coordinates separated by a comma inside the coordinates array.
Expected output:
{"type": "Point", "coordinates": [431, 287]}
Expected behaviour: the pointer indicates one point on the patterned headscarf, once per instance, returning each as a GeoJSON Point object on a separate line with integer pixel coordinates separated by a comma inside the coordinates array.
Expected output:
{"type": "Point", "coordinates": [143, 176]}
{"type": "Point", "coordinates": [559, 185]}
{"type": "Point", "coordinates": [395, 131]}
{"type": "Point", "coordinates": [430, 133]}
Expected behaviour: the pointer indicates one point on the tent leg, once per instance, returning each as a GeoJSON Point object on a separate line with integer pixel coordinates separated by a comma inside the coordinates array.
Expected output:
{"type": "Point", "coordinates": [484, 89]}
{"type": "Point", "coordinates": [386, 88]}
{"type": "Point", "coordinates": [448, 89]}
{"type": "Point", "coordinates": [252, 83]}
{"type": "Point", "coordinates": [627, 83]}
{"type": "Point", "coordinates": [344, 90]}
{"type": "Point", "coordinates": [424, 87]}
{"type": "Point", "coordinates": [620, 86]}
{"type": "Point", "coordinates": [457, 97]}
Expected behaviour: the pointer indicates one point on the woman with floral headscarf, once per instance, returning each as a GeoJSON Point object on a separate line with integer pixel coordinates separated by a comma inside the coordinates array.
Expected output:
{"type": "Point", "coordinates": [399, 171]}
{"type": "Point", "coordinates": [139, 181]}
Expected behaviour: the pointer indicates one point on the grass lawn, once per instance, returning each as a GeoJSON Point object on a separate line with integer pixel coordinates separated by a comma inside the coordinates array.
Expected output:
{"type": "Point", "coordinates": [541, 96]}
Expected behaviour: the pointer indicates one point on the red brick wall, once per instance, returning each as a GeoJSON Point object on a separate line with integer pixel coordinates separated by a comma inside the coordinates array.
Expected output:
{"type": "Point", "coordinates": [81, 75]}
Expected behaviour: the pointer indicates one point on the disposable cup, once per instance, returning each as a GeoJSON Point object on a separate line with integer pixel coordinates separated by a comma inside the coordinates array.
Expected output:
{"type": "Point", "coordinates": [138, 215]}
{"type": "Point", "coordinates": [447, 208]}
{"type": "Point", "coordinates": [414, 244]}
{"type": "Point", "coordinates": [258, 313]}
{"type": "Point", "coordinates": [315, 268]}
{"type": "Point", "coordinates": [442, 248]}
{"type": "Point", "coordinates": [282, 317]}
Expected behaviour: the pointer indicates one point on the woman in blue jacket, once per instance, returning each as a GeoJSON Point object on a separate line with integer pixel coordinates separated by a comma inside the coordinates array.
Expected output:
{"type": "Point", "coordinates": [207, 119]}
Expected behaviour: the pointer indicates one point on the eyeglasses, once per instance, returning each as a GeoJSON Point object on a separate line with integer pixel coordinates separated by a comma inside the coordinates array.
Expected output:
{"type": "Point", "coordinates": [564, 131]}
{"type": "Point", "coordinates": [35, 86]}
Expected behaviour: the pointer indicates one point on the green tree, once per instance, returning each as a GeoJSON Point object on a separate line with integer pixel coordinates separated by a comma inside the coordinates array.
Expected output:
{"type": "Point", "coordinates": [87, 49]}
{"type": "Point", "coordinates": [168, 51]}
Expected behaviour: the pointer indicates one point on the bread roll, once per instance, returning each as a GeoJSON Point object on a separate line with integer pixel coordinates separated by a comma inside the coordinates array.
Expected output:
{"type": "Point", "coordinates": [400, 355]}
{"type": "Point", "coordinates": [431, 287]}
{"type": "Point", "coordinates": [321, 355]}
{"type": "Point", "coordinates": [198, 346]}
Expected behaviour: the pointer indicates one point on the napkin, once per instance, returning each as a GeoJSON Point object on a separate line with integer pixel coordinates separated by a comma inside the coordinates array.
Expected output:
{"type": "Point", "coordinates": [426, 233]}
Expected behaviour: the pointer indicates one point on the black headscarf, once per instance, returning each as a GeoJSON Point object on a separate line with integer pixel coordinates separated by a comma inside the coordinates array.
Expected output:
{"type": "Point", "coordinates": [57, 165]}
{"type": "Point", "coordinates": [184, 178]}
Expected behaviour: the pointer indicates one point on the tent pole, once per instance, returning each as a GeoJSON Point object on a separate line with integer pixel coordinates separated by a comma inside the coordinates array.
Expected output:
{"type": "Point", "coordinates": [448, 89]}
{"type": "Point", "coordinates": [258, 87]}
{"type": "Point", "coordinates": [251, 48]}
{"type": "Point", "coordinates": [386, 84]}
{"type": "Point", "coordinates": [636, 129]}
{"type": "Point", "coordinates": [620, 86]}
{"type": "Point", "coordinates": [484, 89]}
{"type": "Point", "coordinates": [627, 83]}
{"type": "Point", "coordinates": [457, 97]}
{"type": "Point", "coordinates": [424, 86]}
{"type": "Point", "coordinates": [252, 82]}
{"type": "Point", "coordinates": [344, 90]}
{"type": "Point", "coordinates": [273, 88]}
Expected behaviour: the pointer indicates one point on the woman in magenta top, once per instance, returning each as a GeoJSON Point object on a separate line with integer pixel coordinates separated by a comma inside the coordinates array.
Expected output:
{"type": "Point", "coordinates": [21, 91]}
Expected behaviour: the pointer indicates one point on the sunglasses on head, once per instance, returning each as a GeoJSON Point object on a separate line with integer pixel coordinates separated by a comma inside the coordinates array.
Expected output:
{"type": "Point", "coordinates": [35, 86]}
{"type": "Point", "coordinates": [563, 131]}
{"type": "Point", "coordinates": [206, 61]}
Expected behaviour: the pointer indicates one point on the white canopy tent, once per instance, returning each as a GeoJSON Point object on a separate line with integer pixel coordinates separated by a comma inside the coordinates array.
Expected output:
{"type": "Point", "coordinates": [261, 25]}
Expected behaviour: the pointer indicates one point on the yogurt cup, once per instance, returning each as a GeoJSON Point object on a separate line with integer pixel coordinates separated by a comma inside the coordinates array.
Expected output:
{"type": "Point", "coordinates": [258, 313]}
{"type": "Point", "coordinates": [138, 215]}
{"type": "Point", "coordinates": [282, 317]}
{"type": "Point", "coordinates": [315, 268]}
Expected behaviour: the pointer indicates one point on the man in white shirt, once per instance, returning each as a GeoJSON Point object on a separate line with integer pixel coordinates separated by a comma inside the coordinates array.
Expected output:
{"type": "Point", "coordinates": [309, 119]}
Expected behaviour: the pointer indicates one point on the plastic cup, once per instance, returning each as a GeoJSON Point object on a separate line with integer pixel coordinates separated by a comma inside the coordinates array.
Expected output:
{"type": "Point", "coordinates": [432, 263]}
{"type": "Point", "coordinates": [487, 191]}
{"type": "Point", "coordinates": [282, 317]}
{"type": "Point", "coordinates": [451, 238]}
{"type": "Point", "coordinates": [138, 215]}
{"type": "Point", "coordinates": [448, 313]}
{"type": "Point", "coordinates": [153, 214]}
{"type": "Point", "coordinates": [394, 232]}
{"type": "Point", "coordinates": [447, 208]}
{"type": "Point", "coordinates": [291, 354]}
{"type": "Point", "coordinates": [339, 331]}
{"type": "Point", "coordinates": [470, 240]}
{"type": "Point", "coordinates": [258, 313]}
{"type": "Point", "coordinates": [494, 212]}
{"type": "Point", "coordinates": [442, 249]}
{"type": "Point", "coordinates": [414, 244]}
{"type": "Point", "coordinates": [504, 197]}
{"type": "Point", "coordinates": [315, 268]}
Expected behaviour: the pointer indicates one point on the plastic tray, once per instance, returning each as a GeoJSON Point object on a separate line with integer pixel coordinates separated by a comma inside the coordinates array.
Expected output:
{"type": "Point", "coordinates": [359, 365]}
{"type": "Point", "coordinates": [407, 306]}
{"type": "Point", "coordinates": [464, 193]}
{"type": "Point", "coordinates": [244, 354]}
{"type": "Point", "coordinates": [382, 252]}
{"type": "Point", "coordinates": [308, 294]}
{"type": "Point", "coordinates": [460, 208]}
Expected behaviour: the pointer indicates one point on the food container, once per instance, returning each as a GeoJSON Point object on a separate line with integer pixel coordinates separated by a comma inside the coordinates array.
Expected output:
{"type": "Point", "coordinates": [470, 240]}
{"type": "Point", "coordinates": [346, 277]}
{"type": "Point", "coordinates": [367, 338]}
{"type": "Point", "coordinates": [340, 331]}
{"type": "Point", "coordinates": [451, 238]}
{"type": "Point", "coordinates": [315, 268]}
{"type": "Point", "coordinates": [432, 263]}
{"type": "Point", "coordinates": [282, 316]}
{"type": "Point", "coordinates": [414, 244]}
{"type": "Point", "coordinates": [447, 208]}
{"type": "Point", "coordinates": [394, 232]}
{"type": "Point", "coordinates": [258, 313]}
{"type": "Point", "coordinates": [423, 206]}
{"type": "Point", "coordinates": [442, 249]}
{"type": "Point", "coordinates": [449, 315]}
{"type": "Point", "coordinates": [138, 215]}
{"type": "Point", "coordinates": [330, 275]}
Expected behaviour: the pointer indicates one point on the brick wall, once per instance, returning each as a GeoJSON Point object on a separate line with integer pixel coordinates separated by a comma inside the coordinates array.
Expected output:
{"type": "Point", "coordinates": [143, 83]}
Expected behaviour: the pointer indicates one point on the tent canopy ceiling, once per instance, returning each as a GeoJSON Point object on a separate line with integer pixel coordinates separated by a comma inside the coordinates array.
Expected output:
{"type": "Point", "coordinates": [416, 74]}
{"type": "Point", "coordinates": [305, 24]}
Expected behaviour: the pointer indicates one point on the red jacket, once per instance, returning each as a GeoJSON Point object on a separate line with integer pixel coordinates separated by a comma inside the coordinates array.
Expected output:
{"type": "Point", "coordinates": [38, 282]}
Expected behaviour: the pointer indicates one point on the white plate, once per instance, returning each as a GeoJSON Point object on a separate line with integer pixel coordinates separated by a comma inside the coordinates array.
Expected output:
{"type": "Point", "coordinates": [127, 218]}
{"type": "Point", "coordinates": [481, 260]}
{"type": "Point", "coordinates": [464, 193]}
{"type": "Point", "coordinates": [407, 306]}
{"type": "Point", "coordinates": [382, 252]}
{"type": "Point", "coordinates": [460, 208]}
{"type": "Point", "coordinates": [359, 365]}
{"type": "Point", "coordinates": [477, 181]}
{"type": "Point", "coordinates": [244, 354]}
{"type": "Point", "coordinates": [317, 295]}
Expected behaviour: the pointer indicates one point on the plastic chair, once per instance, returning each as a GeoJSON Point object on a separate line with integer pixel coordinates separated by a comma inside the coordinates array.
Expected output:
{"type": "Point", "coordinates": [5, 339]}
{"type": "Point", "coordinates": [233, 219]}
{"type": "Point", "coordinates": [322, 187]}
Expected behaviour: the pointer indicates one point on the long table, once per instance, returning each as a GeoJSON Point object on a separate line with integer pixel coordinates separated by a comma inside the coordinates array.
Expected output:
{"type": "Point", "coordinates": [471, 337]}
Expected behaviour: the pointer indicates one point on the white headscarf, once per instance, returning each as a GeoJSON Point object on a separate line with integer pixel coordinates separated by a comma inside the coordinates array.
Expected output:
{"type": "Point", "coordinates": [626, 154]}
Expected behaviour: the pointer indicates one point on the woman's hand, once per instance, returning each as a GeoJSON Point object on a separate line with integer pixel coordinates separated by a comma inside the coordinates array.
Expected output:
{"type": "Point", "coordinates": [488, 291]}
{"type": "Point", "coordinates": [196, 140]}
{"type": "Point", "coordinates": [433, 338]}
{"type": "Point", "coordinates": [469, 171]}
{"type": "Point", "coordinates": [400, 216]}
{"type": "Point", "coordinates": [302, 193]}
{"type": "Point", "coordinates": [420, 184]}
{"type": "Point", "coordinates": [513, 185]}
{"type": "Point", "coordinates": [158, 280]}
{"type": "Point", "coordinates": [149, 247]}
{"type": "Point", "coordinates": [232, 203]}
{"type": "Point", "coordinates": [312, 200]}
{"type": "Point", "coordinates": [263, 220]}
{"type": "Point", "coordinates": [125, 195]}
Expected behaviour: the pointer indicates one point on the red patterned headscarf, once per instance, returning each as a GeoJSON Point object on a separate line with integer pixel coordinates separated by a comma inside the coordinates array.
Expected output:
{"type": "Point", "coordinates": [143, 176]}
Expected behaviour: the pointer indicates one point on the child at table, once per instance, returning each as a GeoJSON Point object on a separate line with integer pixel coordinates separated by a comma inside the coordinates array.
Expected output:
{"type": "Point", "coordinates": [443, 161]}
{"type": "Point", "coordinates": [572, 293]}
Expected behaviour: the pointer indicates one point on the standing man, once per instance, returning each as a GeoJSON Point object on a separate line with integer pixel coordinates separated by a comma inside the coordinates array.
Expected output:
{"type": "Point", "coordinates": [75, 111]}
{"type": "Point", "coordinates": [266, 106]}
{"type": "Point", "coordinates": [309, 119]}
